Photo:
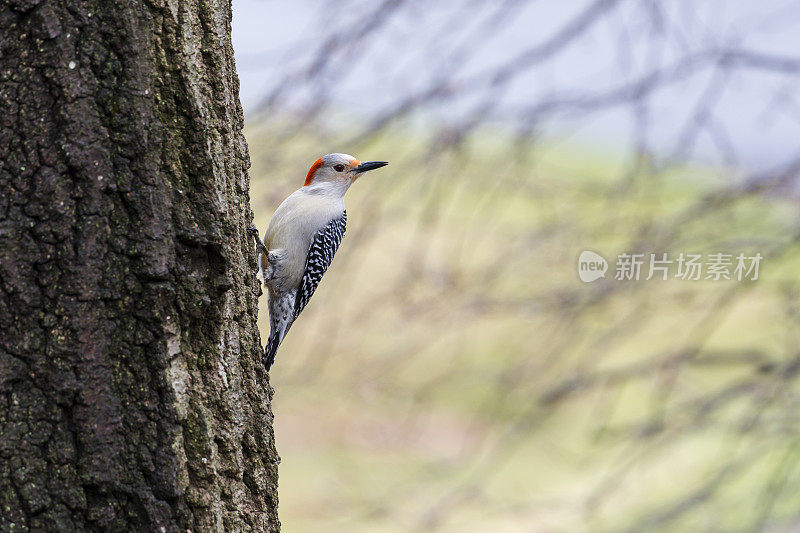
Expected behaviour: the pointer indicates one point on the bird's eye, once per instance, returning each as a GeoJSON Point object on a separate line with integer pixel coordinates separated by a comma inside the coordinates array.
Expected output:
{"type": "Point", "coordinates": [338, 168]}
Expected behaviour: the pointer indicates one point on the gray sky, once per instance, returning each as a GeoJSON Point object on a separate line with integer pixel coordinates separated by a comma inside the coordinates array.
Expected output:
{"type": "Point", "coordinates": [756, 112]}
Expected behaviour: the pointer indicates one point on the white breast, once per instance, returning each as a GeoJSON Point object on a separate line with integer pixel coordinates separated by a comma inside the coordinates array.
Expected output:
{"type": "Point", "coordinates": [292, 228]}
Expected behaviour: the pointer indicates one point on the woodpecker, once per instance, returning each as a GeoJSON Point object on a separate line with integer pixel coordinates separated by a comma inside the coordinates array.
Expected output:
{"type": "Point", "coordinates": [302, 238]}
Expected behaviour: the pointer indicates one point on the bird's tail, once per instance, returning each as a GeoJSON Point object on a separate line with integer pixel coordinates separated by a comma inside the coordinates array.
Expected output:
{"type": "Point", "coordinates": [281, 315]}
{"type": "Point", "coordinates": [270, 350]}
{"type": "Point", "coordinates": [276, 335]}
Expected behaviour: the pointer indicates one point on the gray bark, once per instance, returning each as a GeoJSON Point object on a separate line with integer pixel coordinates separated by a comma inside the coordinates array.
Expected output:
{"type": "Point", "coordinates": [132, 395]}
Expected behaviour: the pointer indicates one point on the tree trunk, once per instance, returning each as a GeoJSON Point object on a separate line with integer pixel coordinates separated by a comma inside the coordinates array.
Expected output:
{"type": "Point", "coordinates": [132, 395]}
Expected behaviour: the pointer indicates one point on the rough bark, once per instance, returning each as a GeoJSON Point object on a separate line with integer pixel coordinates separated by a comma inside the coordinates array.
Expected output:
{"type": "Point", "coordinates": [132, 396]}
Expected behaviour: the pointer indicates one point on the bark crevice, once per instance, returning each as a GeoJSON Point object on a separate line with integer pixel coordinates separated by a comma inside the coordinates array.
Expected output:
{"type": "Point", "coordinates": [132, 392]}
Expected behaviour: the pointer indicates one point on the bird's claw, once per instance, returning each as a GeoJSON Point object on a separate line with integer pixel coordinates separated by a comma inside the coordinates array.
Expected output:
{"type": "Point", "coordinates": [253, 231]}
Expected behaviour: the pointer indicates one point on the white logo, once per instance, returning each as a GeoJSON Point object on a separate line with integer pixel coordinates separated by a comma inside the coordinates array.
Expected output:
{"type": "Point", "coordinates": [632, 266]}
{"type": "Point", "coordinates": [591, 266]}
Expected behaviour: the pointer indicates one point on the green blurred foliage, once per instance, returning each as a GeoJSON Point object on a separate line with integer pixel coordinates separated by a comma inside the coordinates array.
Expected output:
{"type": "Point", "coordinates": [452, 373]}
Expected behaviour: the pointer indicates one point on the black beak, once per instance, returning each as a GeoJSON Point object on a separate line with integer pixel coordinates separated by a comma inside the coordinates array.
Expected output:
{"type": "Point", "coordinates": [370, 165]}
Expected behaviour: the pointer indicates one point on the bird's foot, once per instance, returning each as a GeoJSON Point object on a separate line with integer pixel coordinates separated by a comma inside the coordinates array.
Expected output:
{"type": "Point", "coordinates": [253, 231]}
{"type": "Point", "coordinates": [260, 248]}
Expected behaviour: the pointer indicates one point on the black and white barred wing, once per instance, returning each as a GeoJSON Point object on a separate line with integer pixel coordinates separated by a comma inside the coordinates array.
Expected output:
{"type": "Point", "coordinates": [319, 257]}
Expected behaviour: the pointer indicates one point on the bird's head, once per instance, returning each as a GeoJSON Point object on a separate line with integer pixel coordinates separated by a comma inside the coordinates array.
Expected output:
{"type": "Point", "coordinates": [339, 169]}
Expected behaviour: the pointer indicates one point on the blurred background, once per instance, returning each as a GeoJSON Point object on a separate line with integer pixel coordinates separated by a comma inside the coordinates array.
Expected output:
{"type": "Point", "coordinates": [452, 372]}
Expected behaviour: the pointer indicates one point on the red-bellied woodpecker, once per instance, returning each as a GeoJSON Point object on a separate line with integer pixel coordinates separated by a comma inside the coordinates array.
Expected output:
{"type": "Point", "coordinates": [302, 238]}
